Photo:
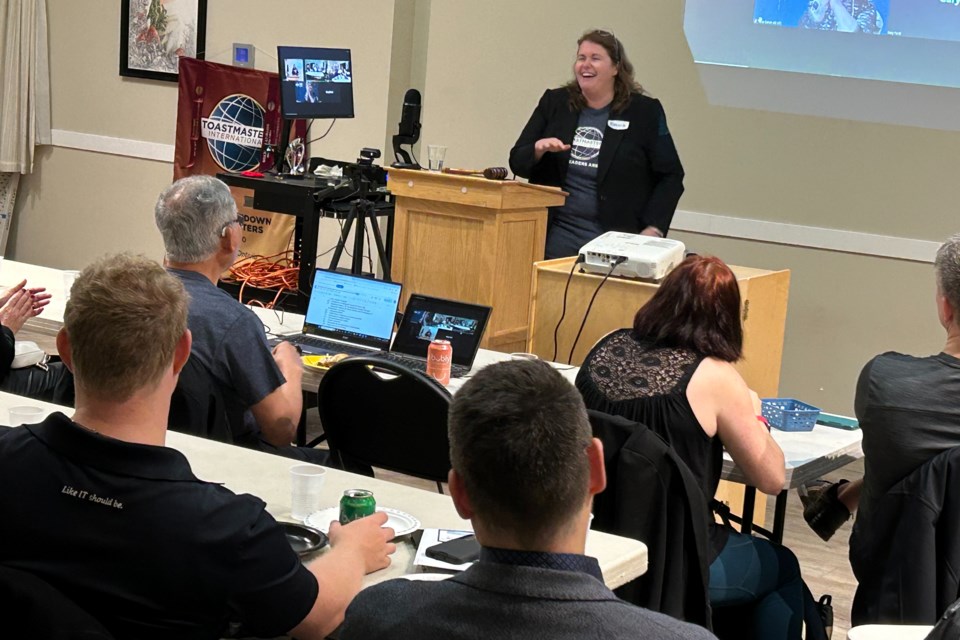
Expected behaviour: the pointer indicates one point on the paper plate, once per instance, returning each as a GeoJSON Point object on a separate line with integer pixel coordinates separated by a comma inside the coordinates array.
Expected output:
{"type": "Point", "coordinates": [401, 522]}
{"type": "Point", "coordinates": [321, 362]}
{"type": "Point", "coordinates": [427, 577]}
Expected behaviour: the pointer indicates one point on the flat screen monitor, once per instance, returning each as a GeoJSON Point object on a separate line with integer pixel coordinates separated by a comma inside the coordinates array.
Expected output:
{"type": "Point", "coordinates": [315, 82]}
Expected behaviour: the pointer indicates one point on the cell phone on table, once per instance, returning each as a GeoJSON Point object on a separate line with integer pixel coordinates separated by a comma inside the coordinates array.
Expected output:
{"type": "Point", "coordinates": [456, 551]}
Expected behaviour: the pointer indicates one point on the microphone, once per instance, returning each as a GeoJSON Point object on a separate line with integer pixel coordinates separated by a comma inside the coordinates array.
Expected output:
{"type": "Point", "coordinates": [409, 130]}
{"type": "Point", "coordinates": [410, 116]}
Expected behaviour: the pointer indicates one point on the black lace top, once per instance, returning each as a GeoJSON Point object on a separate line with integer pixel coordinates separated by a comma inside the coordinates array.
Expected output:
{"type": "Point", "coordinates": [646, 383]}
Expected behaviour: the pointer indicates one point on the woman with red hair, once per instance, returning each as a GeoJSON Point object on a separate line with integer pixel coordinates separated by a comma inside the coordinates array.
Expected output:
{"type": "Point", "coordinates": [673, 371]}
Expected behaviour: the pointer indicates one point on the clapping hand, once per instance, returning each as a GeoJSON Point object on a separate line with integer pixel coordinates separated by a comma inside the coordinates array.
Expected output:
{"type": "Point", "coordinates": [20, 303]}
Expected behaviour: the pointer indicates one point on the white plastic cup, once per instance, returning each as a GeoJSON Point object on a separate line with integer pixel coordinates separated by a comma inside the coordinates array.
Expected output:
{"type": "Point", "coordinates": [25, 415]}
{"type": "Point", "coordinates": [69, 277]}
{"type": "Point", "coordinates": [306, 482]}
{"type": "Point", "coordinates": [435, 155]}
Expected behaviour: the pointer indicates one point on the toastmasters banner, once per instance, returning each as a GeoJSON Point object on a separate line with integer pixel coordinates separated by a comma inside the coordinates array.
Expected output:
{"type": "Point", "coordinates": [228, 120]}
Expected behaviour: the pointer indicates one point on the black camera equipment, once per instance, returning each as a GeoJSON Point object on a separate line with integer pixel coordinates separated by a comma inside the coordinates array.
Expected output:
{"type": "Point", "coordinates": [366, 178]}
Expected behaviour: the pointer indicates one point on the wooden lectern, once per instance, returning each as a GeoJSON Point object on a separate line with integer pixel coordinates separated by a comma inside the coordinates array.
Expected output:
{"type": "Point", "coordinates": [474, 240]}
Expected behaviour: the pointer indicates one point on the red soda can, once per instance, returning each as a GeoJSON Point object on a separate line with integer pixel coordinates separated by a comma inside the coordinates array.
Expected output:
{"type": "Point", "coordinates": [439, 357]}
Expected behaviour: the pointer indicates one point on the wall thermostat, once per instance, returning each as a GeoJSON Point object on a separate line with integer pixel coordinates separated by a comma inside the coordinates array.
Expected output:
{"type": "Point", "coordinates": [243, 55]}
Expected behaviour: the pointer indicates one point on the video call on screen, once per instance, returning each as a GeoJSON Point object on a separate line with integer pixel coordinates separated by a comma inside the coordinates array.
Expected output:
{"type": "Point", "coordinates": [426, 326]}
{"type": "Point", "coordinates": [317, 81]}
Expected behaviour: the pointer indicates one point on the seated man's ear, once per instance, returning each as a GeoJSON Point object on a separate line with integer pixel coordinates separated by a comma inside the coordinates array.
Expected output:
{"type": "Point", "coordinates": [182, 352]}
{"type": "Point", "coordinates": [63, 348]}
{"type": "Point", "coordinates": [598, 471]}
{"type": "Point", "coordinates": [459, 495]}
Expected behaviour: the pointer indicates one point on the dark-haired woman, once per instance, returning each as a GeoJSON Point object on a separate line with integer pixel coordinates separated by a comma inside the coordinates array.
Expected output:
{"type": "Point", "coordinates": [605, 143]}
{"type": "Point", "coordinates": [673, 371]}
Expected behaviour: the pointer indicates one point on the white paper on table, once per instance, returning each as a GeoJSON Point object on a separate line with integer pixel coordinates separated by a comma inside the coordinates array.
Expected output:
{"type": "Point", "coordinates": [432, 537]}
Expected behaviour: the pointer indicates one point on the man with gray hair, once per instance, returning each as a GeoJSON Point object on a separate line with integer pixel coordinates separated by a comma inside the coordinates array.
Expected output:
{"type": "Point", "coordinates": [197, 217]}
{"type": "Point", "coordinates": [908, 408]}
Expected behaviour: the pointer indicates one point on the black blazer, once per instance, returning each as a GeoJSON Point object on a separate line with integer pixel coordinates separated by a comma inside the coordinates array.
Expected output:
{"type": "Point", "coordinates": [653, 496]}
{"type": "Point", "coordinates": [640, 178]}
{"type": "Point", "coordinates": [906, 554]}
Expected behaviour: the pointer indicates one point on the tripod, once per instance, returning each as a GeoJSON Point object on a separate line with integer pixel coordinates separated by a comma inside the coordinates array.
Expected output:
{"type": "Point", "coordinates": [361, 211]}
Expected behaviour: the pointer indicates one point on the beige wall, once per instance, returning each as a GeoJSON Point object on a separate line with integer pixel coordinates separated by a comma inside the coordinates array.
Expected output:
{"type": "Point", "coordinates": [110, 198]}
{"type": "Point", "coordinates": [482, 67]}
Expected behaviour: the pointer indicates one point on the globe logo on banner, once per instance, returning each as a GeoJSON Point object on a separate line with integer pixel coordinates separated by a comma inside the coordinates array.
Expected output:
{"type": "Point", "coordinates": [234, 132]}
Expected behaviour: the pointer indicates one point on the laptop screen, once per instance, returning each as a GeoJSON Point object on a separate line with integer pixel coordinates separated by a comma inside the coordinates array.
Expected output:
{"type": "Point", "coordinates": [352, 308]}
{"type": "Point", "coordinates": [427, 319]}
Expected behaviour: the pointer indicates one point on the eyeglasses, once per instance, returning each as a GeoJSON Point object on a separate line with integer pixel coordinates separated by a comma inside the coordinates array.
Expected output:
{"type": "Point", "coordinates": [617, 47]}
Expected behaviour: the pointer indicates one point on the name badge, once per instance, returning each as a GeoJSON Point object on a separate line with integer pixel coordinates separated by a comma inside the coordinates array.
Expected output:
{"type": "Point", "coordinates": [619, 125]}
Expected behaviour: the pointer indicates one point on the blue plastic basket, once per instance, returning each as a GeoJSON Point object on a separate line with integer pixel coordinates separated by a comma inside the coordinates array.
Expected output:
{"type": "Point", "coordinates": [788, 414]}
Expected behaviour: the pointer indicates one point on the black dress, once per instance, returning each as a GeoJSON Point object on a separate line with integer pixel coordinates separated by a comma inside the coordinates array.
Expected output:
{"type": "Point", "coordinates": [648, 383]}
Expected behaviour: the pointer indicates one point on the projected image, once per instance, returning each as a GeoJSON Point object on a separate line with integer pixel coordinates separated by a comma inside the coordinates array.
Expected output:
{"type": "Point", "coordinates": [431, 325]}
{"type": "Point", "coordinates": [849, 16]}
{"type": "Point", "coordinates": [930, 19]}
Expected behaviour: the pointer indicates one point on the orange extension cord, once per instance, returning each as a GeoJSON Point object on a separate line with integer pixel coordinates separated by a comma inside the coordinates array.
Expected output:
{"type": "Point", "coordinates": [265, 272]}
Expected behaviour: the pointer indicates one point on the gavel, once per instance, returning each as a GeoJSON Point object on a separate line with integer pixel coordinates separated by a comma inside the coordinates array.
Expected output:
{"type": "Point", "coordinates": [496, 173]}
{"type": "Point", "coordinates": [490, 173]}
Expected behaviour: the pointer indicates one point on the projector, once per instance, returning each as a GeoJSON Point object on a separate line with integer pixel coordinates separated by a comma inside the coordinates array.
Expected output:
{"type": "Point", "coordinates": [642, 256]}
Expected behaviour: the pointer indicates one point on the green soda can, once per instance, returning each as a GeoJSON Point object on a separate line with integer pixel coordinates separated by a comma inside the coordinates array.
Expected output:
{"type": "Point", "coordinates": [356, 504]}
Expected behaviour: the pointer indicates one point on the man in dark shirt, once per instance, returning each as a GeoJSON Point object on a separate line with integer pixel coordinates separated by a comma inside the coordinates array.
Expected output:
{"type": "Point", "coordinates": [197, 217]}
{"type": "Point", "coordinates": [908, 409]}
{"type": "Point", "coordinates": [118, 523]}
{"type": "Point", "coordinates": [525, 470]}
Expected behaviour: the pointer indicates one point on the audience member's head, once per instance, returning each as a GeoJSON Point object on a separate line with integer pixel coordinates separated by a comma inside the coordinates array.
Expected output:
{"type": "Point", "coordinates": [123, 322]}
{"type": "Point", "coordinates": [697, 306]}
{"type": "Point", "coordinates": [193, 215]}
{"type": "Point", "coordinates": [522, 452]}
{"type": "Point", "coordinates": [947, 266]}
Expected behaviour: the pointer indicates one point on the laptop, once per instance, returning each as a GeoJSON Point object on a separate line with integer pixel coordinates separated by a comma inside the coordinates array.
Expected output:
{"type": "Point", "coordinates": [347, 314]}
{"type": "Point", "coordinates": [426, 319]}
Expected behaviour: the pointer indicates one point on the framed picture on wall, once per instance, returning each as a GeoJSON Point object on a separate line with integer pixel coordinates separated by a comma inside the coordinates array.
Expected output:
{"type": "Point", "coordinates": [155, 33]}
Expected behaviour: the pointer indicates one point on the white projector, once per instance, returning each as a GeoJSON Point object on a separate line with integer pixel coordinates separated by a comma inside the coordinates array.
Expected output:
{"type": "Point", "coordinates": [642, 256]}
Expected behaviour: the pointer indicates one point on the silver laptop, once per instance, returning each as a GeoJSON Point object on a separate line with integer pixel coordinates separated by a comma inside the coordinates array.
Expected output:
{"type": "Point", "coordinates": [347, 314]}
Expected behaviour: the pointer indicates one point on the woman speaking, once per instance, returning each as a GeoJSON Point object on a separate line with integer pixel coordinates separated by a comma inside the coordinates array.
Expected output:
{"type": "Point", "coordinates": [605, 143]}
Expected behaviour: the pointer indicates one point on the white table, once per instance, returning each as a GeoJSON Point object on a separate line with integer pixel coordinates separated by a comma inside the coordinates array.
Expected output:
{"type": "Point", "coordinates": [889, 632]}
{"type": "Point", "coordinates": [808, 455]}
{"type": "Point", "coordinates": [267, 476]}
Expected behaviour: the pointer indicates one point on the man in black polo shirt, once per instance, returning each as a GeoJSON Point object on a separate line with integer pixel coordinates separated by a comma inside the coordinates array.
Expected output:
{"type": "Point", "coordinates": [100, 509]}
{"type": "Point", "coordinates": [525, 470]}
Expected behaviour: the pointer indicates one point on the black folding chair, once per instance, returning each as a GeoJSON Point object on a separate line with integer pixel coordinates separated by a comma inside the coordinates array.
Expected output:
{"type": "Point", "coordinates": [383, 414]}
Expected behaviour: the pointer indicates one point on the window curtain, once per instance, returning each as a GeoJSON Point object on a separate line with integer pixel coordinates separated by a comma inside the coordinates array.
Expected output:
{"type": "Point", "coordinates": [24, 96]}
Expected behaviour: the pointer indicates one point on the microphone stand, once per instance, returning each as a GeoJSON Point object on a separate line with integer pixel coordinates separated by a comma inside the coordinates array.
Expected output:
{"type": "Point", "coordinates": [403, 158]}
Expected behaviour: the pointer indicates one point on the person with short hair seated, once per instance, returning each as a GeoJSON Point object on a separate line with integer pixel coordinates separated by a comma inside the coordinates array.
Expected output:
{"type": "Point", "coordinates": [673, 372]}
{"type": "Point", "coordinates": [197, 217]}
{"type": "Point", "coordinates": [97, 507]}
{"type": "Point", "coordinates": [525, 470]}
{"type": "Point", "coordinates": [907, 409]}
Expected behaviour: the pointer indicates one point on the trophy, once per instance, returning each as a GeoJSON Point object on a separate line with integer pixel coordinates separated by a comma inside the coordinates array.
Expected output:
{"type": "Point", "coordinates": [294, 157]}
